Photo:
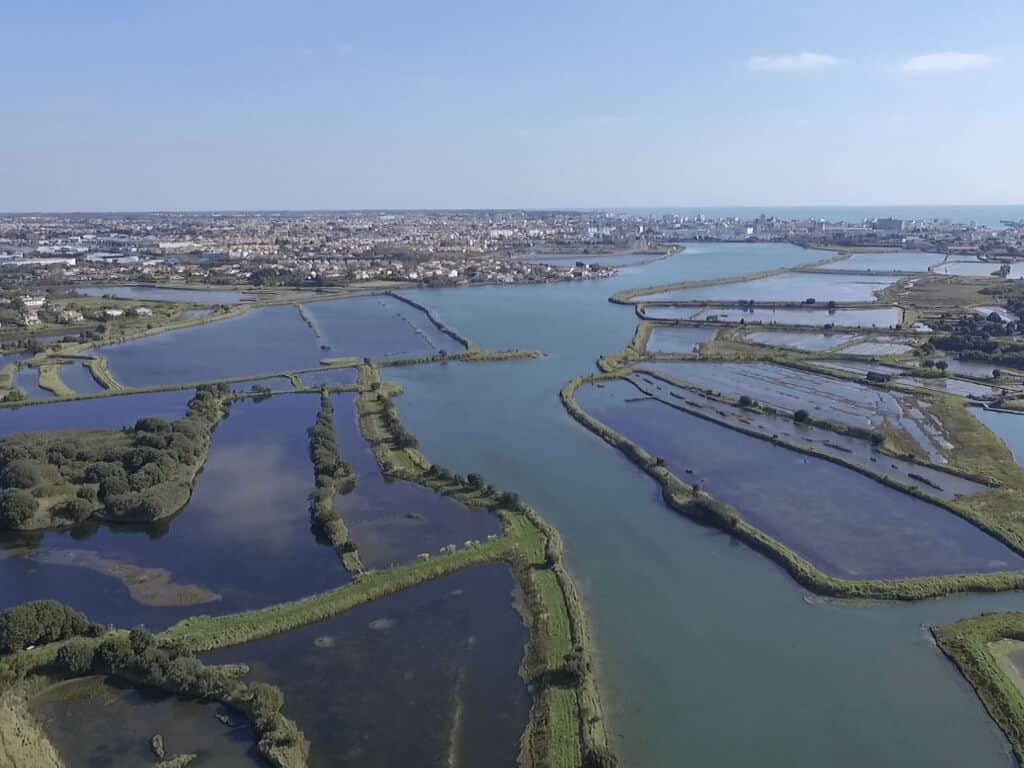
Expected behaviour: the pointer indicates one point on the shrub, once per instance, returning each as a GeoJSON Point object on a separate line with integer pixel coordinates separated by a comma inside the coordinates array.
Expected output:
{"type": "Point", "coordinates": [76, 510]}
{"type": "Point", "coordinates": [41, 621]}
{"type": "Point", "coordinates": [75, 658]}
{"type": "Point", "coordinates": [22, 473]}
{"type": "Point", "coordinates": [16, 506]}
{"type": "Point", "coordinates": [801, 416]}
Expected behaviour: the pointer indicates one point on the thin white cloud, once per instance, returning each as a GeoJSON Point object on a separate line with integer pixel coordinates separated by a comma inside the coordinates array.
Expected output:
{"type": "Point", "coordinates": [935, 63]}
{"type": "Point", "coordinates": [793, 62]}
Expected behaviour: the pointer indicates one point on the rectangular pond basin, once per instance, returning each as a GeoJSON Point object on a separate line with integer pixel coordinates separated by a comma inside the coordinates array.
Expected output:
{"type": "Point", "coordinates": [806, 342]}
{"type": "Point", "coordinates": [888, 261]}
{"type": "Point", "coordinates": [243, 540]}
{"type": "Point", "coordinates": [111, 412]}
{"type": "Point", "coordinates": [335, 377]}
{"type": "Point", "coordinates": [848, 525]}
{"type": "Point", "coordinates": [967, 268]}
{"type": "Point", "coordinates": [788, 286]}
{"type": "Point", "coordinates": [823, 397]}
{"type": "Point", "coordinates": [27, 380]}
{"type": "Point", "coordinates": [883, 317]}
{"type": "Point", "coordinates": [1009, 427]}
{"type": "Point", "coordinates": [847, 448]}
{"type": "Point", "coordinates": [426, 677]}
{"type": "Point", "coordinates": [377, 327]}
{"type": "Point", "coordinates": [262, 341]}
{"type": "Point", "coordinates": [679, 340]}
{"type": "Point", "coordinates": [94, 722]}
{"type": "Point", "coordinates": [393, 521]}
{"type": "Point", "coordinates": [952, 386]}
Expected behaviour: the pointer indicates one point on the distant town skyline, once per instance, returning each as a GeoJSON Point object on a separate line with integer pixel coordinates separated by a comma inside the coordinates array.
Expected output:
{"type": "Point", "coordinates": [115, 106]}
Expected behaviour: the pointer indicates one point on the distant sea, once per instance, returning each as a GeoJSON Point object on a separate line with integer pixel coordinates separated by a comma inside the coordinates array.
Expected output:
{"type": "Point", "coordinates": [988, 215]}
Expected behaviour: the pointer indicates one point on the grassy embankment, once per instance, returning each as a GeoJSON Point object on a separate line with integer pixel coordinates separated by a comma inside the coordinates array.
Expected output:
{"type": "Point", "coordinates": [566, 726]}
{"type": "Point", "coordinates": [432, 316]}
{"type": "Point", "coordinates": [703, 508]}
{"type": "Point", "coordinates": [969, 645]}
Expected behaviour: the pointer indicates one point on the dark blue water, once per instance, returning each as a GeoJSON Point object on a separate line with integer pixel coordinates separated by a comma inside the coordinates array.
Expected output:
{"type": "Point", "coordinates": [27, 379]}
{"type": "Point", "coordinates": [393, 521]}
{"type": "Point", "coordinates": [80, 378]}
{"type": "Point", "coordinates": [425, 677]}
{"type": "Point", "coordinates": [244, 534]}
{"type": "Point", "coordinates": [261, 341]}
{"type": "Point", "coordinates": [101, 413]}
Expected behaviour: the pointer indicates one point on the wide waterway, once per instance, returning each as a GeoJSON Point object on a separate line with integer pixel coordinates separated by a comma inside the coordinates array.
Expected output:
{"type": "Point", "coordinates": [709, 654]}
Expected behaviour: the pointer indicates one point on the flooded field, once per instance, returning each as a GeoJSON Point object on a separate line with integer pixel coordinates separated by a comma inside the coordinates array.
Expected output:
{"type": "Point", "coordinates": [393, 521]}
{"type": "Point", "coordinates": [806, 342]}
{"type": "Point", "coordinates": [680, 340]}
{"type": "Point", "coordinates": [425, 677]}
{"type": "Point", "coordinates": [378, 327]}
{"type": "Point", "coordinates": [848, 525]}
{"type": "Point", "coordinates": [860, 452]}
{"type": "Point", "coordinates": [261, 341]}
{"type": "Point", "coordinates": [974, 368]}
{"type": "Point", "coordinates": [863, 368]}
{"type": "Point", "coordinates": [80, 378]}
{"type": "Point", "coordinates": [95, 723]}
{"type": "Point", "coordinates": [243, 540]}
{"type": "Point", "coordinates": [890, 261]}
{"type": "Point", "coordinates": [789, 286]}
{"type": "Point", "coordinates": [878, 347]}
{"type": "Point", "coordinates": [886, 317]}
{"type": "Point", "coordinates": [952, 386]}
{"type": "Point", "coordinates": [183, 295]}
{"type": "Point", "coordinates": [823, 397]}
{"type": "Point", "coordinates": [101, 413]}
{"type": "Point", "coordinates": [1006, 315]}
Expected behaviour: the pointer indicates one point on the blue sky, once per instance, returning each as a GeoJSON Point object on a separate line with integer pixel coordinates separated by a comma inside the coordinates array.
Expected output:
{"type": "Point", "coordinates": [223, 104]}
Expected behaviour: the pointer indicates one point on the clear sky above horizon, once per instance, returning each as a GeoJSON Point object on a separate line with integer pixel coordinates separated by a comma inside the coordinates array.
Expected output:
{"type": "Point", "coordinates": [118, 105]}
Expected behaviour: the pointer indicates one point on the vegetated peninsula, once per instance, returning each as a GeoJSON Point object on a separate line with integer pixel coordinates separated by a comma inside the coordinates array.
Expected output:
{"type": "Point", "coordinates": [134, 475]}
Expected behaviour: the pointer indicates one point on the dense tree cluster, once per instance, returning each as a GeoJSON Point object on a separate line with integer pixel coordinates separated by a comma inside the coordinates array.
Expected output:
{"type": "Point", "coordinates": [333, 476]}
{"type": "Point", "coordinates": [400, 436]}
{"type": "Point", "coordinates": [42, 621]}
{"type": "Point", "coordinates": [138, 657]}
{"type": "Point", "coordinates": [138, 474]}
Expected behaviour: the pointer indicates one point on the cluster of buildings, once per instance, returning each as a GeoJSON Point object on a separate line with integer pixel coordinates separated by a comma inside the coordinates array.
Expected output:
{"type": "Point", "coordinates": [431, 247]}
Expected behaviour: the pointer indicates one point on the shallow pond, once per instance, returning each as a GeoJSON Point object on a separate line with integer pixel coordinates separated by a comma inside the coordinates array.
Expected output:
{"type": "Point", "coordinates": [886, 317]}
{"type": "Point", "coordinates": [80, 378]}
{"type": "Point", "coordinates": [878, 348]}
{"type": "Point", "coordinates": [184, 295]}
{"type": "Point", "coordinates": [823, 397]}
{"type": "Point", "coordinates": [377, 327]}
{"type": "Point", "coordinates": [99, 413]}
{"type": "Point", "coordinates": [678, 340]}
{"type": "Point", "coordinates": [1006, 315]}
{"type": "Point", "coordinates": [262, 341]}
{"type": "Point", "coordinates": [425, 677]}
{"type": "Point", "coordinates": [975, 368]}
{"type": "Point", "coordinates": [847, 448]}
{"type": "Point", "coordinates": [1008, 426]}
{"type": "Point", "coordinates": [967, 268]}
{"type": "Point", "coordinates": [95, 723]}
{"type": "Point", "coordinates": [807, 342]}
{"type": "Point", "coordinates": [243, 540]}
{"type": "Point", "coordinates": [889, 261]}
{"type": "Point", "coordinates": [27, 380]}
{"type": "Point", "coordinates": [393, 521]}
{"type": "Point", "coordinates": [952, 386]}
{"type": "Point", "coordinates": [789, 286]}
{"type": "Point", "coordinates": [848, 525]}
{"type": "Point", "coordinates": [336, 377]}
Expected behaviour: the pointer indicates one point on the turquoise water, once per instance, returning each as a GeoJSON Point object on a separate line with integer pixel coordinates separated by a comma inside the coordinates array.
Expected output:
{"type": "Point", "coordinates": [710, 655]}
